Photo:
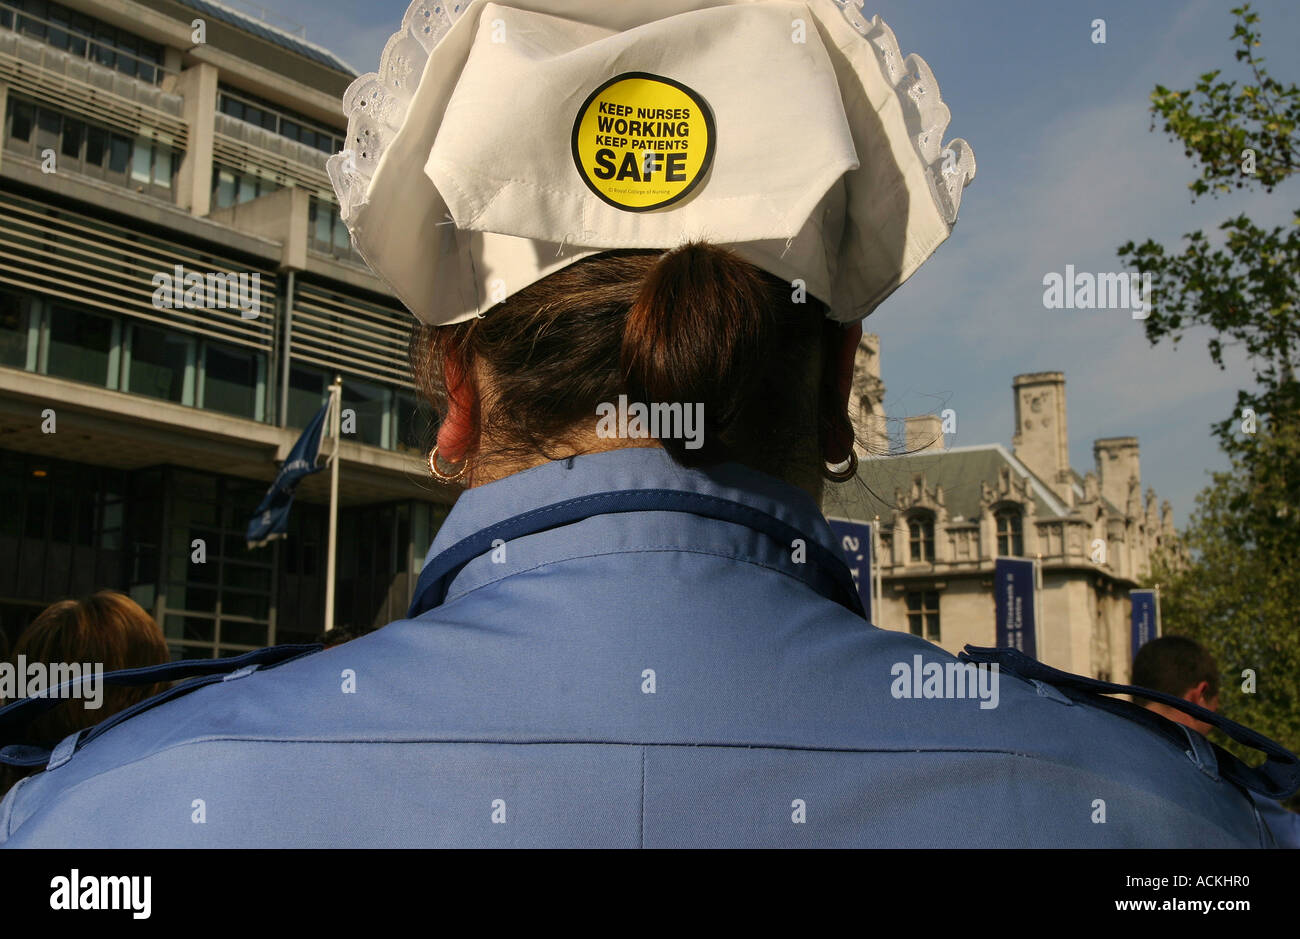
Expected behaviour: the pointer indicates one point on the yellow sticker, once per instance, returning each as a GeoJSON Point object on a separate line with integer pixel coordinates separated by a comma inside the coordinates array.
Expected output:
{"type": "Point", "coordinates": [642, 142]}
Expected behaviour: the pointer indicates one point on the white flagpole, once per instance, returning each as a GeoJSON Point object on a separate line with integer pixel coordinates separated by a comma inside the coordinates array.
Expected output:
{"type": "Point", "coordinates": [336, 401]}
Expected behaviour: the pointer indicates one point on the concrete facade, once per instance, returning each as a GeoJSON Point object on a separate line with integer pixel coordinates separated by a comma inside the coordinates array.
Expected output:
{"type": "Point", "coordinates": [81, 244]}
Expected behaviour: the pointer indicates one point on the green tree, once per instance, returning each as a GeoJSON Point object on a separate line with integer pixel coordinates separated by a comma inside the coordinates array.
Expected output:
{"type": "Point", "coordinates": [1237, 588]}
{"type": "Point", "coordinates": [1241, 603]}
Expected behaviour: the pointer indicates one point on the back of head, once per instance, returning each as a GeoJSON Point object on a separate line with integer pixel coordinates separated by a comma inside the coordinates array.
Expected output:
{"type": "Point", "coordinates": [696, 331]}
{"type": "Point", "coordinates": [107, 629]}
{"type": "Point", "coordinates": [1174, 664]}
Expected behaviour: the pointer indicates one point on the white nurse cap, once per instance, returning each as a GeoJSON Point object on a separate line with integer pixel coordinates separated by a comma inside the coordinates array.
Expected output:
{"type": "Point", "coordinates": [498, 144]}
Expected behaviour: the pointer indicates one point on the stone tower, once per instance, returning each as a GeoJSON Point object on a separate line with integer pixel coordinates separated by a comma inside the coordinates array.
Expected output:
{"type": "Point", "coordinates": [1041, 440]}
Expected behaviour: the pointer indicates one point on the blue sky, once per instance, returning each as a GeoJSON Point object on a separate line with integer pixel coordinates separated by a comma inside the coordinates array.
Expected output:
{"type": "Point", "coordinates": [1067, 171]}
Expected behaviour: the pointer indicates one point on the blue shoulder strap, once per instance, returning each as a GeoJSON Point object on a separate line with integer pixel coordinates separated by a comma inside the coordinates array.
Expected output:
{"type": "Point", "coordinates": [20, 713]}
{"type": "Point", "coordinates": [1278, 777]}
{"type": "Point", "coordinates": [825, 571]}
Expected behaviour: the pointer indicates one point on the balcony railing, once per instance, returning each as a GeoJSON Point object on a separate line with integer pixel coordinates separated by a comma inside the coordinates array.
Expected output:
{"type": "Point", "coordinates": [72, 85]}
{"type": "Point", "coordinates": [65, 36]}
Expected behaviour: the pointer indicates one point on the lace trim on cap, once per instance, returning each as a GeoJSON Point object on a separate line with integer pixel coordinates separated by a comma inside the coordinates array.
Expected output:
{"type": "Point", "coordinates": [949, 169]}
{"type": "Point", "coordinates": [376, 103]}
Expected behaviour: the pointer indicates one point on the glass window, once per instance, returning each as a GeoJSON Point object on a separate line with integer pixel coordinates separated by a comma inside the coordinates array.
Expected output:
{"type": "Point", "coordinates": [921, 536]}
{"type": "Point", "coordinates": [126, 63]}
{"type": "Point", "coordinates": [923, 614]}
{"type": "Point", "coordinates": [49, 125]}
{"type": "Point", "coordinates": [14, 310]}
{"type": "Point", "coordinates": [195, 628]}
{"type": "Point", "coordinates": [306, 394]}
{"type": "Point", "coordinates": [342, 238]}
{"type": "Point", "coordinates": [1011, 541]}
{"type": "Point", "coordinates": [252, 605]}
{"type": "Point", "coordinates": [322, 231]}
{"type": "Point", "coordinates": [246, 576]}
{"type": "Point", "coordinates": [30, 26]}
{"type": "Point", "coordinates": [63, 502]}
{"type": "Point", "coordinates": [159, 360]}
{"type": "Point", "coordinates": [36, 502]}
{"type": "Point", "coordinates": [119, 154]}
{"type": "Point", "coordinates": [230, 378]}
{"type": "Point", "coordinates": [21, 118]}
{"type": "Point", "coordinates": [77, 43]}
{"type": "Point", "coordinates": [247, 189]}
{"type": "Point", "coordinates": [249, 634]}
{"type": "Point", "coordinates": [73, 133]}
{"type": "Point", "coordinates": [58, 16]}
{"type": "Point", "coordinates": [103, 48]}
{"type": "Point", "coordinates": [371, 405]}
{"type": "Point", "coordinates": [142, 160]}
{"type": "Point", "coordinates": [96, 146]}
{"type": "Point", "coordinates": [162, 166]}
{"type": "Point", "coordinates": [225, 189]}
{"type": "Point", "coordinates": [80, 345]}
{"type": "Point", "coordinates": [277, 120]}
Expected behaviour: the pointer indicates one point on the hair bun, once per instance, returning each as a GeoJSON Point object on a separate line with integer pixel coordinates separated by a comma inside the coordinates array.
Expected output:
{"type": "Point", "coordinates": [699, 333]}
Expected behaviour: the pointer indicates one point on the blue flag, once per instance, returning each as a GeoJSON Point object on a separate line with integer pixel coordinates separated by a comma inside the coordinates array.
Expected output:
{"type": "Point", "coordinates": [271, 519]}
{"type": "Point", "coordinates": [855, 543]}
{"type": "Point", "coordinates": [1013, 598]}
{"type": "Point", "coordinates": [1146, 615]}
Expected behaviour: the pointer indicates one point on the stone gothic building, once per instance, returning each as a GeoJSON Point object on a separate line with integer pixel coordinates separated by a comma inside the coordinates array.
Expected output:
{"type": "Point", "coordinates": [946, 514]}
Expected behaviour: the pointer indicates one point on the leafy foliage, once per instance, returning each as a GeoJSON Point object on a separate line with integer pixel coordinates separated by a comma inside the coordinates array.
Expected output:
{"type": "Point", "coordinates": [1240, 593]}
{"type": "Point", "coordinates": [1240, 601]}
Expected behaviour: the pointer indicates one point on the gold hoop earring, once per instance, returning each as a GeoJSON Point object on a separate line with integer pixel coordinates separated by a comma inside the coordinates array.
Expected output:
{"type": "Point", "coordinates": [437, 474]}
{"type": "Point", "coordinates": [842, 472]}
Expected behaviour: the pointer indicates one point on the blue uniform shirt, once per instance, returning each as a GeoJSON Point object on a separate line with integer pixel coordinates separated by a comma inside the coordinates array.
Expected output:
{"type": "Point", "coordinates": [639, 679]}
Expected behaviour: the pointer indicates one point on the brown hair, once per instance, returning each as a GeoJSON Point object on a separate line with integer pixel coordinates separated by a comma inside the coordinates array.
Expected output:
{"type": "Point", "coordinates": [1175, 665]}
{"type": "Point", "coordinates": [108, 629]}
{"type": "Point", "coordinates": [694, 325]}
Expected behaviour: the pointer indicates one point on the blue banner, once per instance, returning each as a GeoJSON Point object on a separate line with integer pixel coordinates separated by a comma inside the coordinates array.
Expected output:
{"type": "Point", "coordinates": [1015, 583]}
{"type": "Point", "coordinates": [271, 519]}
{"type": "Point", "coordinates": [855, 543]}
{"type": "Point", "coordinates": [1145, 617]}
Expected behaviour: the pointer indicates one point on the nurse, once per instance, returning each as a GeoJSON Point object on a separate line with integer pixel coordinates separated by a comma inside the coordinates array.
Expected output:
{"type": "Point", "coordinates": [620, 639]}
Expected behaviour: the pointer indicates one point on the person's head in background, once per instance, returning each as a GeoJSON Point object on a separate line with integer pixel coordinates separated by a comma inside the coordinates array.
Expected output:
{"type": "Point", "coordinates": [1180, 667]}
{"type": "Point", "coordinates": [337, 636]}
{"type": "Point", "coordinates": [697, 326]}
{"type": "Point", "coordinates": [108, 629]}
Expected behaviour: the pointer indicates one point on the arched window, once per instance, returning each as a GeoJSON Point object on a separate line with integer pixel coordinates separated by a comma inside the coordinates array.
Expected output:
{"type": "Point", "coordinates": [1011, 538]}
{"type": "Point", "coordinates": [921, 536]}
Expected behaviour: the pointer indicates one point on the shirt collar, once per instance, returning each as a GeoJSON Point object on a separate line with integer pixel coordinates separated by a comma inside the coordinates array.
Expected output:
{"type": "Point", "coordinates": [625, 469]}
